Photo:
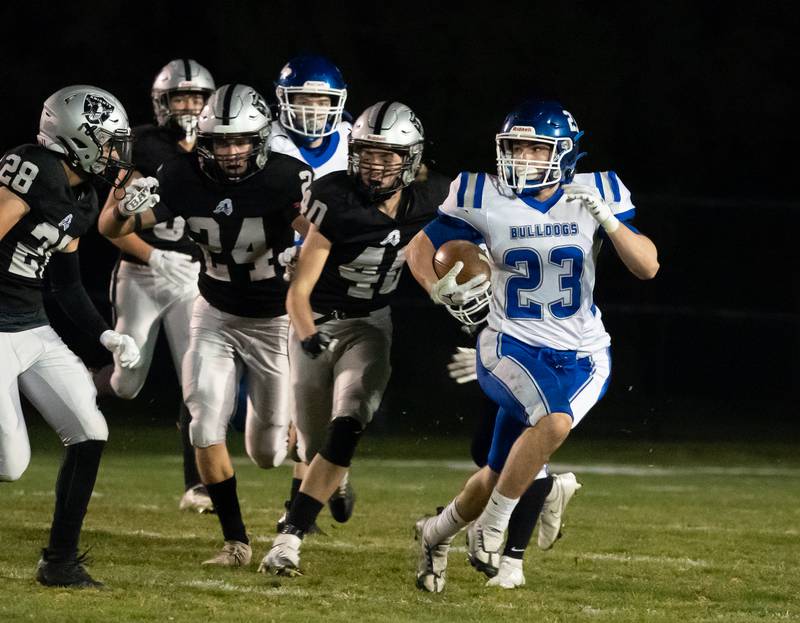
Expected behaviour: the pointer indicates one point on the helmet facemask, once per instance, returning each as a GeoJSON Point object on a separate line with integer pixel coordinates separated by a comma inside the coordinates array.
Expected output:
{"type": "Point", "coordinates": [473, 312]}
{"type": "Point", "coordinates": [184, 120]}
{"type": "Point", "coordinates": [311, 120]}
{"type": "Point", "coordinates": [113, 161]}
{"type": "Point", "coordinates": [522, 175]}
{"type": "Point", "coordinates": [376, 170]}
{"type": "Point", "coordinates": [223, 167]}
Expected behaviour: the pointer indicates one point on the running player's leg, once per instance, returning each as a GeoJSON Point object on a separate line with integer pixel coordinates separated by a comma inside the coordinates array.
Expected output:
{"type": "Point", "coordinates": [15, 450]}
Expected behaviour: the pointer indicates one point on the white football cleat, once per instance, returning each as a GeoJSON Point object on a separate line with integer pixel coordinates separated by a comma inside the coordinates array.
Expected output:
{"type": "Point", "coordinates": [284, 557]}
{"type": "Point", "coordinates": [483, 548]}
{"type": "Point", "coordinates": [509, 574]}
{"type": "Point", "coordinates": [196, 499]}
{"type": "Point", "coordinates": [432, 560]}
{"type": "Point", "coordinates": [233, 554]}
{"type": "Point", "coordinates": [564, 487]}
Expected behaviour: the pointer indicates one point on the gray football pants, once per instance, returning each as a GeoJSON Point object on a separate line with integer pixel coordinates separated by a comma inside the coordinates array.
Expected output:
{"type": "Point", "coordinates": [221, 347]}
{"type": "Point", "coordinates": [346, 381]}
{"type": "Point", "coordinates": [143, 301]}
{"type": "Point", "coordinates": [57, 384]}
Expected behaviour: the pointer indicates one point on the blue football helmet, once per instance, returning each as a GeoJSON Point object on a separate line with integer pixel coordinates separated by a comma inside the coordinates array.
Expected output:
{"type": "Point", "coordinates": [313, 76]}
{"type": "Point", "coordinates": [538, 121]}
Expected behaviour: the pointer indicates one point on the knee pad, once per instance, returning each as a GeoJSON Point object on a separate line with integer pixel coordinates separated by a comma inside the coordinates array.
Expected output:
{"type": "Point", "coordinates": [340, 444]}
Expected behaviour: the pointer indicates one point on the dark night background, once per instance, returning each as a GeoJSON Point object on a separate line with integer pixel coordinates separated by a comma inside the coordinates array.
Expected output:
{"type": "Point", "coordinates": [692, 104]}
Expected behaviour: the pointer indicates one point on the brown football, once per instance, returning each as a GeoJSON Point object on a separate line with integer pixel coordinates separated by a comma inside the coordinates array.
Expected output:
{"type": "Point", "coordinates": [475, 261]}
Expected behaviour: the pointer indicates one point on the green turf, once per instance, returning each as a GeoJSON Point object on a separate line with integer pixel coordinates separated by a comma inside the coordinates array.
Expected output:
{"type": "Point", "coordinates": [680, 540]}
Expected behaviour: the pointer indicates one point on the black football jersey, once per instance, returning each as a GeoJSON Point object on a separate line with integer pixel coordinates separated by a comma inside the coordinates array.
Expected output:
{"type": "Point", "coordinates": [58, 214]}
{"type": "Point", "coordinates": [240, 227]}
{"type": "Point", "coordinates": [367, 246]}
{"type": "Point", "coordinates": [153, 146]}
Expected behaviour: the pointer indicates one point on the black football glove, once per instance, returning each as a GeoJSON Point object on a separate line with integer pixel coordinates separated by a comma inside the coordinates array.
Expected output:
{"type": "Point", "coordinates": [315, 345]}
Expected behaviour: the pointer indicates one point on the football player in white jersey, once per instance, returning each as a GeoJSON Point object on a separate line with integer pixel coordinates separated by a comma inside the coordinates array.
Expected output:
{"type": "Point", "coordinates": [155, 281]}
{"type": "Point", "coordinates": [542, 234]}
{"type": "Point", "coordinates": [311, 127]}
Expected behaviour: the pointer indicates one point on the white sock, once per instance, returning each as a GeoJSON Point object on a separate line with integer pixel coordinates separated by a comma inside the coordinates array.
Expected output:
{"type": "Point", "coordinates": [497, 512]}
{"type": "Point", "coordinates": [445, 525]}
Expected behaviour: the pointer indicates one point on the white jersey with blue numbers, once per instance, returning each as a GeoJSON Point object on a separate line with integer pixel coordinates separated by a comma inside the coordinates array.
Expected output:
{"type": "Point", "coordinates": [330, 157]}
{"type": "Point", "coordinates": [543, 256]}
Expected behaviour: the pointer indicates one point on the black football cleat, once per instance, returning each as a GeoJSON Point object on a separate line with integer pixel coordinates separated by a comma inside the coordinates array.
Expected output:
{"type": "Point", "coordinates": [343, 501]}
{"type": "Point", "coordinates": [68, 572]}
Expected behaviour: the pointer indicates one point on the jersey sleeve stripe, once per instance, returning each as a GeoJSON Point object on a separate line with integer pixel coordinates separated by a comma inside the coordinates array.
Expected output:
{"type": "Point", "coordinates": [626, 216]}
{"type": "Point", "coordinates": [446, 227]}
{"type": "Point", "coordinates": [598, 181]}
{"type": "Point", "coordinates": [462, 188]}
{"type": "Point", "coordinates": [478, 201]}
{"type": "Point", "coordinates": [612, 178]}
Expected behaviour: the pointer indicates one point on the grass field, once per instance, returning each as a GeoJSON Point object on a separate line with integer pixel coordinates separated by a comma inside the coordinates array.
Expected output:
{"type": "Point", "coordinates": [658, 533]}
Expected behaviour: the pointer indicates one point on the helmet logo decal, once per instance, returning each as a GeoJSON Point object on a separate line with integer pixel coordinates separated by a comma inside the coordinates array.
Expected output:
{"type": "Point", "coordinates": [286, 72]}
{"type": "Point", "coordinates": [96, 108]}
{"type": "Point", "coordinates": [259, 104]}
{"type": "Point", "coordinates": [415, 122]}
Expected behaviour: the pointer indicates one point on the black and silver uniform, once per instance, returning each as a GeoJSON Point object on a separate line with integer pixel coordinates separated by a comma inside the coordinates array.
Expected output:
{"type": "Point", "coordinates": [58, 214]}
{"type": "Point", "coordinates": [240, 227]}
{"type": "Point", "coordinates": [367, 246]}
{"type": "Point", "coordinates": [153, 146]}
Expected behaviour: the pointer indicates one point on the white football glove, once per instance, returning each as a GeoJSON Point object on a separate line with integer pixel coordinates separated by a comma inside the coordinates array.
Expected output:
{"type": "Point", "coordinates": [447, 292]}
{"type": "Point", "coordinates": [176, 267]}
{"type": "Point", "coordinates": [140, 195]}
{"type": "Point", "coordinates": [288, 259]}
{"type": "Point", "coordinates": [594, 203]}
{"type": "Point", "coordinates": [462, 367]}
{"type": "Point", "coordinates": [123, 346]}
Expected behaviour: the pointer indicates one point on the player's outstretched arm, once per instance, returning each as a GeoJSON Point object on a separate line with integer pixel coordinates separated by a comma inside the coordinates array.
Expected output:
{"type": "Point", "coordinates": [132, 212]}
{"type": "Point", "coordinates": [12, 209]}
{"type": "Point", "coordinates": [130, 244]}
{"type": "Point", "coordinates": [636, 251]}
{"type": "Point", "coordinates": [316, 249]}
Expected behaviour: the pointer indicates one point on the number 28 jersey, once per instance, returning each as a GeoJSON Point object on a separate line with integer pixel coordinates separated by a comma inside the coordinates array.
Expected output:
{"type": "Point", "coordinates": [367, 246]}
{"type": "Point", "coordinates": [543, 254]}
{"type": "Point", "coordinates": [241, 228]}
{"type": "Point", "coordinates": [58, 214]}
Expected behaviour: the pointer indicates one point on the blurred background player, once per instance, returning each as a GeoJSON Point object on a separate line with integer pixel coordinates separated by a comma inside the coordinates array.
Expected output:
{"type": "Point", "coordinates": [341, 332]}
{"type": "Point", "coordinates": [46, 204]}
{"type": "Point", "coordinates": [542, 239]}
{"type": "Point", "coordinates": [155, 279]}
{"type": "Point", "coordinates": [311, 127]}
{"type": "Point", "coordinates": [240, 204]}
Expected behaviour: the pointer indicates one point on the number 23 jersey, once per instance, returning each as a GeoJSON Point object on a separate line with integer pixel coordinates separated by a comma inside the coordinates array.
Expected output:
{"type": "Point", "coordinates": [543, 254]}
{"type": "Point", "coordinates": [367, 246]}
{"type": "Point", "coordinates": [241, 228]}
{"type": "Point", "coordinates": [58, 214]}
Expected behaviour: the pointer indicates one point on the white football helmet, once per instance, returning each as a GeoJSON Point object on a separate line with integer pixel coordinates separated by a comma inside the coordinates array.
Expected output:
{"type": "Point", "coordinates": [178, 77]}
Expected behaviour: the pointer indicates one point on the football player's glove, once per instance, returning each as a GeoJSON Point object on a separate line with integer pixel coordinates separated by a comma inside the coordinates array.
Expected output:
{"type": "Point", "coordinates": [288, 259]}
{"type": "Point", "coordinates": [176, 267]}
{"type": "Point", "coordinates": [447, 291]}
{"type": "Point", "coordinates": [462, 366]}
{"type": "Point", "coordinates": [122, 346]}
{"type": "Point", "coordinates": [140, 195]}
{"type": "Point", "coordinates": [315, 345]}
{"type": "Point", "coordinates": [591, 198]}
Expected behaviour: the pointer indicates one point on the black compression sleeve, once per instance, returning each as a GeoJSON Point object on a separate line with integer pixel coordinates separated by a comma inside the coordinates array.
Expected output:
{"type": "Point", "coordinates": [64, 271]}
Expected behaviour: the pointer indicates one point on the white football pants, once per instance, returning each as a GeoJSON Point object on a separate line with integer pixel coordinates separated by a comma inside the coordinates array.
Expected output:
{"type": "Point", "coordinates": [142, 301]}
{"type": "Point", "coordinates": [56, 382]}
{"type": "Point", "coordinates": [222, 346]}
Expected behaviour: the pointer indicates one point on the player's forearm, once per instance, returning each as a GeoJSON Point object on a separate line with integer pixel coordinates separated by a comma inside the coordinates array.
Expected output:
{"type": "Point", "coordinates": [301, 225]}
{"type": "Point", "coordinates": [419, 256]}
{"type": "Point", "coordinates": [298, 304]}
{"type": "Point", "coordinates": [133, 245]}
{"type": "Point", "coordinates": [113, 225]}
{"type": "Point", "coordinates": [636, 251]}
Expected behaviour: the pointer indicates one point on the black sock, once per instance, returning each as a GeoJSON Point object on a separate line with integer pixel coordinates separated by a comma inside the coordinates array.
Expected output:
{"type": "Point", "coordinates": [74, 487]}
{"type": "Point", "coordinates": [226, 503]}
{"type": "Point", "coordinates": [190, 475]}
{"type": "Point", "coordinates": [296, 482]}
{"type": "Point", "coordinates": [303, 512]}
{"type": "Point", "coordinates": [523, 519]}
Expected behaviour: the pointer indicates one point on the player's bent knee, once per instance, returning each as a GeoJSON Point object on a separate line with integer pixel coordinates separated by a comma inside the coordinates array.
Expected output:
{"type": "Point", "coordinates": [12, 468]}
{"type": "Point", "coordinates": [267, 458]}
{"type": "Point", "coordinates": [204, 434]}
{"type": "Point", "coordinates": [340, 445]}
{"type": "Point", "coordinates": [127, 386]}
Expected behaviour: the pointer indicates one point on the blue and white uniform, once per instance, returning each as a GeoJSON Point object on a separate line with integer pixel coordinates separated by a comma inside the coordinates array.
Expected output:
{"type": "Point", "coordinates": [545, 349]}
{"type": "Point", "coordinates": [329, 157]}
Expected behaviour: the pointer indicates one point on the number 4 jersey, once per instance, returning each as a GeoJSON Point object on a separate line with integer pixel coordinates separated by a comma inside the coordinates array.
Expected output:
{"type": "Point", "coordinates": [241, 228]}
{"type": "Point", "coordinates": [543, 254]}
{"type": "Point", "coordinates": [58, 214]}
{"type": "Point", "coordinates": [367, 246]}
